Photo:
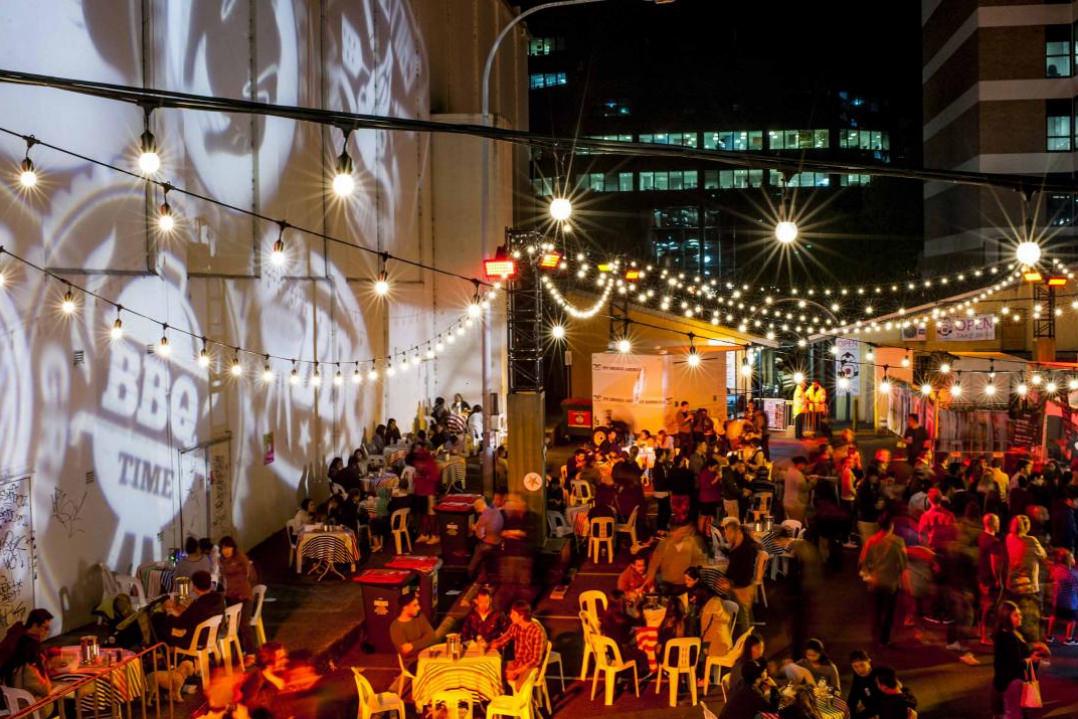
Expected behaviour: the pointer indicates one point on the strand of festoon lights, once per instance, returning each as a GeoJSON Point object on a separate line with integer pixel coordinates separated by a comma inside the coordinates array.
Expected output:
{"type": "Point", "coordinates": [73, 296]}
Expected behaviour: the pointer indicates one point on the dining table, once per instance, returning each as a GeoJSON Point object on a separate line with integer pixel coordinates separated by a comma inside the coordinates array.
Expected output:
{"type": "Point", "coordinates": [647, 636]}
{"type": "Point", "coordinates": [120, 678]}
{"type": "Point", "coordinates": [478, 670]}
{"type": "Point", "coordinates": [328, 546]}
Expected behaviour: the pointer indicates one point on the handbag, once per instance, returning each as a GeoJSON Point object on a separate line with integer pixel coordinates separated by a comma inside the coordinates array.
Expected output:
{"type": "Point", "coordinates": [1031, 690]}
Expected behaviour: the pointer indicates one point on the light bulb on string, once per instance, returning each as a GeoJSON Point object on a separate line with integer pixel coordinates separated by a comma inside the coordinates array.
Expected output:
{"type": "Point", "coordinates": [67, 304]}
{"type": "Point", "coordinates": [404, 365]}
{"type": "Point", "coordinates": [166, 221]}
{"type": "Point", "coordinates": [344, 184]}
{"type": "Point", "coordinates": [956, 389]}
{"type": "Point", "coordinates": [338, 379]}
{"type": "Point", "coordinates": [990, 390]}
{"type": "Point", "coordinates": [450, 337]}
{"type": "Point", "coordinates": [1036, 379]}
{"type": "Point", "coordinates": [906, 361]}
{"type": "Point", "coordinates": [267, 371]}
{"type": "Point", "coordinates": [27, 174]}
{"type": "Point", "coordinates": [316, 377]}
{"type": "Point", "coordinates": [786, 232]}
{"type": "Point", "coordinates": [885, 386]}
{"type": "Point", "coordinates": [1028, 253]}
{"type": "Point", "coordinates": [624, 346]}
{"type": "Point", "coordinates": [372, 375]}
{"type": "Point", "coordinates": [945, 368]}
{"type": "Point", "coordinates": [381, 284]}
{"type": "Point", "coordinates": [833, 349]}
{"type": "Point", "coordinates": [237, 368]}
{"type": "Point", "coordinates": [163, 347]}
{"type": "Point", "coordinates": [430, 352]}
{"type": "Point", "coordinates": [870, 355]}
{"type": "Point", "coordinates": [799, 377]}
{"type": "Point", "coordinates": [149, 161]}
{"type": "Point", "coordinates": [277, 255]}
{"type": "Point", "coordinates": [357, 376]}
{"type": "Point", "coordinates": [390, 371]}
{"type": "Point", "coordinates": [1021, 390]}
{"type": "Point", "coordinates": [1072, 384]}
{"type": "Point", "coordinates": [1051, 387]}
{"type": "Point", "coordinates": [204, 355]}
{"type": "Point", "coordinates": [557, 332]}
{"type": "Point", "coordinates": [293, 377]}
{"type": "Point", "coordinates": [926, 389]}
{"type": "Point", "coordinates": [416, 359]}
{"type": "Point", "coordinates": [117, 331]}
{"type": "Point", "coordinates": [439, 346]}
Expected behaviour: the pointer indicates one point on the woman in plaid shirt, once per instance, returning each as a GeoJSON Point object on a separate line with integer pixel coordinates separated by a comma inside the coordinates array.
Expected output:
{"type": "Point", "coordinates": [529, 642]}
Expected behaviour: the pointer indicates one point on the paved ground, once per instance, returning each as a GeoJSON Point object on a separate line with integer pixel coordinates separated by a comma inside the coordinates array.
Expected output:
{"type": "Point", "coordinates": [324, 619]}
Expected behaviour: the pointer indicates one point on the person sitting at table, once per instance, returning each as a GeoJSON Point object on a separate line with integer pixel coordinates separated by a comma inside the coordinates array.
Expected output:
{"type": "Point", "coordinates": [819, 664]}
{"type": "Point", "coordinates": [439, 411]}
{"type": "Point", "coordinates": [715, 628]}
{"type": "Point", "coordinates": [615, 623]}
{"type": "Point", "coordinates": [410, 632]}
{"type": "Point", "coordinates": [557, 496]}
{"type": "Point", "coordinates": [176, 625]}
{"type": "Point", "coordinates": [393, 432]}
{"type": "Point", "coordinates": [528, 640]}
{"type": "Point", "coordinates": [336, 466]}
{"type": "Point", "coordinates": [864, 696]}
{"type": "Point", "coordinates": [752, 653]}
{"type": "Point", "coordinates": [483, 623]}
{"type": "Point", "coordinates": [757, 694]}
{"type": "Point", "coordinates": [239, 575]}
{"type": "Point", "coordinates": [194, 561]}
{"type": "Point", "coordinates": [697, 594]}
{"type": "Point", "coordinates": [680, 549]}
{"type": "Point", "coordinates": [349, 477]}
{"type": "Point", "coordinates": [34, 630]}
{"type": "Point", "coordinates": [895, 700]}
{"type": "Point", "coordinates": [304, 516]}
{"type": "Point", "coordinates": [377, 445]}
{"type": "Point", "coordinates": [633, 580]}
{"type": "Point", "coordinates": [28, 668]}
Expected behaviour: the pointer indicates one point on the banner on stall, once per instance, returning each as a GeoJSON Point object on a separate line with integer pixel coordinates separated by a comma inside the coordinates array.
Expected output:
{"type": "Point", "coordinates": [966, 329]}
{"type": "Point", "coordinates": [848, 365]}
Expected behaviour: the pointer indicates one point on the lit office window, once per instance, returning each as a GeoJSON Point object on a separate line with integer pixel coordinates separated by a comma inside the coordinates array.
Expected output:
{"type": "Point", "coordinates": [864, 140]}
{"type": "Point", "coordinates": [539, 46]}
{"type": "Point", "coordinates": [853, 180]}
{"type": "Point", "coordinates": [625, 181]}
{"type": "Point", "coordinates": [740, 179]}
{"type": "Point", "coordinates": [540, 80]}
{"type": "Point", "coordinates": [1057, 51]}
{"type": "Point", "coordinates": [798, 139]}
{"type": "Point", "coordinates": [734, 140]}
{"type": "Point", "coordinates": [647, 181]}
{"type": "Point", "coordinates": [801, 179]}
{"type": "Point", "coordinates": [1058, 132]}
{"type": "Point", "coordinates": [685, 139]}
{"type": "Point", "coordinates": [669, 180]}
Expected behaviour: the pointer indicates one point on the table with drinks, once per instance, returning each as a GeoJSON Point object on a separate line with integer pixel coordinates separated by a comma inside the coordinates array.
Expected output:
{"type": "Point", "coordinates": [119, 680]}
{"type": "Point", "coordinates": [471, 666]}
{"type": "Point", "coordinates": [328, 545]}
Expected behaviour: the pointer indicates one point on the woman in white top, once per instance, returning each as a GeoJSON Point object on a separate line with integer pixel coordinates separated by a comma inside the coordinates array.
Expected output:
{"type": "Point", "coordinates": [475, 426]}
{"type": "Point", "coordinates": [303, 517]}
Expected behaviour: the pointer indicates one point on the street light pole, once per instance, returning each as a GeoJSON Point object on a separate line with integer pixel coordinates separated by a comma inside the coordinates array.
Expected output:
{"type": "Point", "coordinates": [484, 226]}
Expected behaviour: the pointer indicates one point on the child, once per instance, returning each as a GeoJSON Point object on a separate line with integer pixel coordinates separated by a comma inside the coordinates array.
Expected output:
{"type": "Point", "coordinates": [1064, 595]}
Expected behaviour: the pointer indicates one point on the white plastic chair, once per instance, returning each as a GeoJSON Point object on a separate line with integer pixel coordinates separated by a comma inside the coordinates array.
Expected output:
{"type": "Point", "coordinates": [600, 535]}
{"type": "Point", "coordinates": [608, 661]}
{"type": "Point", "coordinates": [292, 543]}
{"type": "Point", "coordinates": [761, 505]}
{"type": "Point", "coordinates": [371, 703]}
{"type": "Point", "coordinates": [515, 705]}
{"type": "Point", "coordinates": [557, 526]}
{"type": "Point", "coordinates": [231, 640]}
{"type": "Point", "coordinates": [630, 528]}
{"type": "Point", "coordinates": [732, 608]}
{"type": "Point", "coordinates": [404, 676]}
{"type": "Point", "coordinates": [211, 627]}
{"type": "Point", "coordinates": [687, 650]}
{"type": "Point", "coordinates": [17, 700]}
{"type": "Point", "coordinates": [724, 661]}
{"type": "Point", "coordinates": [589, 629]}
{"type": "Point", "coordinates": [591, 602]}
{"type": "Point", "coordinates": [762, 560]}
{"type": "Point", "coordinates": [398, 525]}
{"type": "Point", "coordinates": [258, 597]}
{"type": "Point", "coordinates": [580, 492]}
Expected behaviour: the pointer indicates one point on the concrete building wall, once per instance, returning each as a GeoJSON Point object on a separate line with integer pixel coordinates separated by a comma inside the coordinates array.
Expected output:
{"type": "Point", "coordinates": [127, 452]}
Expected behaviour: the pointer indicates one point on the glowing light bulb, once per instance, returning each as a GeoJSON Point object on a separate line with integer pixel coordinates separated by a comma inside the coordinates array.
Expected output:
{"type": "Point", "coordinates": [203, 358]}
{"type": "Point", "coordinates": [799, 377]}
{"type": "Point", "coordinates": [439, 346]}
{"type": "Point", "coordinates": [786, 232]}
{"type": "Point", "coordinates": [945, 368]}
{"type": "Point", "coordinates": [905, 361]}
{"type": "Point", "coordinates": [624, 346]}
{"type": "Point", "coordinates": [693, 359]}
{"type": "Point", "coordinates": [989, 390]}
{"type": "Point", "coordinates": [926, 389]}
{"type": "Point", "coordinates": [338, 379]}
{"type": "Point", "coordinates": [27, 174]}
{"type": "Point", "coordinates": [1021, 390]}
{"type": "Point", "coordinates": [316, 378]}
{"type": "Point", "coordinates": [357, 377]}
{"type": "Point", "coordinates": [390, 371]}
{"type": "Point", "coordinates": [163, 347]}
{"type": "Point", "coordinates": [237, 368]}
{"type": "Point", "coordinates": [1051, 387]}
{"type": "Point", "coordinates": [166, 221]}
{"type": "Point", "coordinates": [381, 285]}
{"type": "Point", "coordinates": [1036, 379]}
{"type": "Point", "coordinates": [557, 332]}
{"type": "Point", "coordinates": [560, 209]}
{"type": "Point", "coordinates": [843, 383]}
{"type": "Point", "coordinates": [344, 184]}
{"type": "Point", "coordinates": [267, 374]}
{"type": "Point", "coordinates": [117, 331]}
{"type": "Point", "coordinates": [277, 256]}
{"type": "Point", "coordinates": [293, 378]}
{"type": "Point", "coordinates": [956, 390]}
{"type": "Point", "coordinates": [746, 369]}
{"type": "Point", "coordinates": [149, 162]}
{"type": "Point", "coordinates": [870, 355]}
{"type": "Point", "coordinates": [474, 309]}
{"type": "Point", "coordinates": [372, 375]}
{"type": "Point", "coordinates": [885, 387]}
{"type": "Point", "coordinates": [1028, 253]}
{"type": "Point", "coordinates": [1072, 384]}
{"type": "Point", "coordinates": [68, 303]}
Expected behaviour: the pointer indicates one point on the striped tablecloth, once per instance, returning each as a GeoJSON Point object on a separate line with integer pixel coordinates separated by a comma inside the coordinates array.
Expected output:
{"type": "Point", "coordinates": [116, 684]}
{"type": "Point", "coordinates": [576, 516]}
{"type": "Point", "coordinates": [337, 546]}
{"type": "Point", "coordinates": [647, 636]}
{"type": "Point", "coordinates": [481, 674]}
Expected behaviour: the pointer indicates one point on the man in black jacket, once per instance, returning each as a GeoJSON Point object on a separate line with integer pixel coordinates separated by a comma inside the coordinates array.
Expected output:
{"type": "Point", "coordinates": [895, 701]}
{"type": "Point", "coordinates": [757, 694]}
{"type": "Point", "coordinates": [864, 695]}
{"type": "Point", "coordinates": [176, 626]}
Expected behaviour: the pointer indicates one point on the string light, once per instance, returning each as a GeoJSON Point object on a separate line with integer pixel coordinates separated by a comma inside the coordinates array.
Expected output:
{"type": "Point", "coordinates": [693, 358]}
{"type": "Point", "coordinates": [1036, 379]}
{"type": "Point", "coordinates": [906, 361]}
{"type": "Point", "coordinates": [27, 173]}
{"type": "Point", "coordinates": [277, 256]}
{"type": "Point", "coordinates": [624, 346]}
{"type": "Point", "coordinates": [843, 383]}
{"type": "Point", "coordinates": [166, 221]}
{"type": "Point", "coordinates": [1072, 384]}
{"type": "Point", "coordinates": [372, 375]}
{"type": "Point", "coordinates": [560, 209]}
{"type": "Point", "coordinates": [237, 368]}
{"type": "Point", "coordinates": [557, 331]}
{"type": "Point", "coordinates": [67, 305]}
{"type": "Point", "coordinates": [338, 379]}
{"type": "Point", "coordinates": [204, 355]}
{"type": "Point", "coordinates": [990, 390]}
{"type": "Point", "coordinates": [267, 372]}
{"type": "Point", "coordinates": [885, 386]}
{"type": "Point", "coordinates": [316, 377]}
{"type": "Point", "coordinates": [956, 389]}
{"type": "Point", "coordinates": [926, 389]}
{"type": "Point", "coordinates": [1021, 390]}
{"type": "Point", "coordinates": [786, 232]}
{"type": "Point", "coordinates": [945, 368]}
{"type": "Point", "coordinates": [293, 378]}
{"type": "Point", "coordinates": [357, 377]}
{"type": "Point", "coordinates": [344, 184]}
{"type": "Point", "coordinates": [149, 162]}
{"type": "Point", "coordinates": [1051, 387]}
{"type": "Point", "coordinates": [1028, 253]}
{"type": "Point", "coordinates": [381, 284]}
{"type": "Point", "coordinates": [163, 347]}
{"type": "Point", "coordinates": [799, 377]}
{"type": "Point", "coordinates": [117, 331]}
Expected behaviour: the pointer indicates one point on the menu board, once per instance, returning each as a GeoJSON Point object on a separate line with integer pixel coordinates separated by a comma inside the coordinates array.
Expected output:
{"type": "Point", "coordinates": [1024, 429]}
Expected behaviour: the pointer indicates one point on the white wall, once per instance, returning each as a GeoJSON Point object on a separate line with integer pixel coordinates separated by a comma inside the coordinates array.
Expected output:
{"type": "Point", "coordinates": [102, 438]}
